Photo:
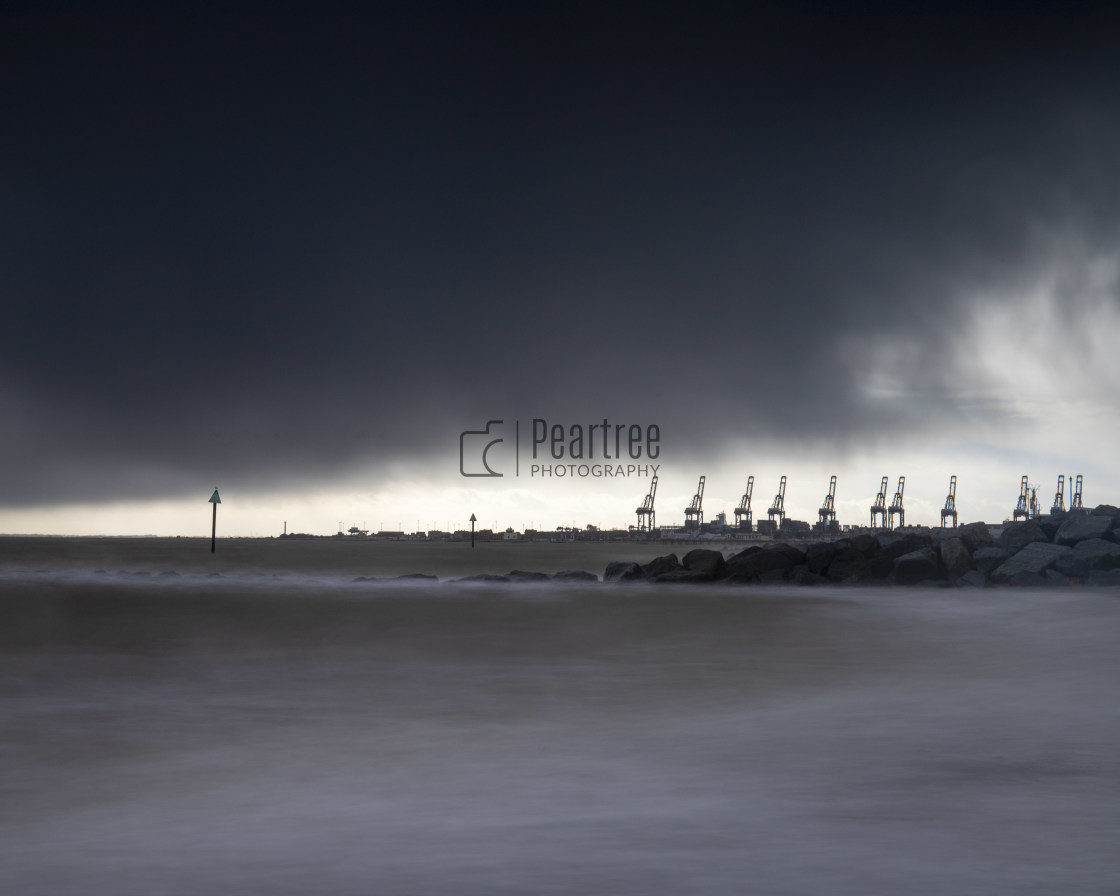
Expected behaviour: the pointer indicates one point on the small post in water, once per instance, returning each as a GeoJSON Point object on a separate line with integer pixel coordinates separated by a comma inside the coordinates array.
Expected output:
{"type": "Point", "coordinates": [473, 521]}
{"type": "Point", "coordinates": [215, 500]}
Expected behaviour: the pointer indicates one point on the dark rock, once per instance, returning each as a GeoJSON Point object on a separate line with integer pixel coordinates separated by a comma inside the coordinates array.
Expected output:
{"type": "Point", "coordinates": [623, 571]}
{"type": "Point", "coordinates": [1034, 559]}
{"type": "Point", "coordinates": [1108, 510]}
{"type": "Point", "coordinates": [955, 558]}
{"type": "Point", "coordinates": [1050, 524]}
{"type": "Point", "coordinates": [864, 544]}
{"type": "Point", "coordinates": [575, 575]}
{"type": "Point", "coordinates": [974, 579]}
{"type": "Point", "coordinates": [704, 560]}
{"type": "Point", "coordinates": [751, 564]}
{"type": "Point", "coordinates": [1026, 579]}
{"type": "Point", "coordinates": [1083, 526]}
{"type": "Point", "coordinates": [1085, 556]}
{"type": "Point", "coordinates": [902, 541]}
{"type": "Point", "coordinates": [684, 576]}
{"type": "Point", "coordinates": [803, 575]}
{"type": "Point", "coordinates": [1016, 536]}
{"type": "Point", "coordinates": [774, 577]}
{"type": "Point", "coordinates": [1105, 577]}
{"type": "Point", "coordinates": [520, 575]}
{"type": "Point", "coordinates": [417, 575]}
{"type": "Point", "coordinates": [661, 565]}
{"type": "Point", "coordinates": [483, 577]}
{"type": "Point", "coordinates": [743, 554]}
{"type": "Point", "coordinates": [975, 536]}
{"type": "Point", "coordinates": [917, 566]}
{"type": "Point", "coordinates": [891, 547]}
{"type": "Point", "coordinates": [1054, 577]}
{"type": "Point", "coordinates": [819, 555]}
{"type": "Point", "coordinates": [987, 559]}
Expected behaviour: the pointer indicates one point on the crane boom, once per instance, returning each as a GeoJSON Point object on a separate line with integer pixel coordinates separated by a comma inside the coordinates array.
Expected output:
{"type": "Point", "coordinates": [778, 508]}
{"type": "Point", "coordinates": [1022, 508]}
{"type": "Point", "coordinates": [647, 519]}
{"type": "Point", "coordinates": [694, 512]}
{"type": "Point", "coordinates": [1059, 505]}
{"type": "Point", "coordinates": [879, 508]}
{"type": "Point", "coordinates": [827, 513]}
{"type": "Point", "coordinates": [950, 508]}
{"type": "Point", "coordinates": [896, 506]}
{"type": "Point", "coordinates": [744, 508]}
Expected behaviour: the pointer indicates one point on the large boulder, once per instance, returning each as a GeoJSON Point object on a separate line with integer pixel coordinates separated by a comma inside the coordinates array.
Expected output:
{"type": "Point", "coordinates": [802, 575]}
{"type": "Point", "coordinates": [575, 575]}
{"type": "Point", "coordinates": [623, 571]}
{"type": "Point", "coordinates": [917, 566]}
{"type": "Point", "coordinates": [955, 558]}
{"type": "Point", "coordinates": [777, 557]}
{"type": "Point", "coordinates": [1083, 526]}
{"type": "Point", "coordinates": [1088, 555]}
{"type": "Point", "coordinates": [1033, 560]}
{"type": "Point", "coordinates": [987, 559]}
{"type": "Point", "coordinates": [891, 547]}
{"type": "Point", "coordinates": [704, 560]}
{"type": "Point", "coordinates": [818, 556]}
{"type": "Point", "coordinates": [975, 536]}
{"type": "Point", "coordinates": [1016, 536]}
{"type": "Point", "coordinates": [661, 565]}
{"type": "Point", "coordinates": [851, 563]}
{"type": "Point", "coordinates": [521, 575]}
{"type": "Point", "coordinates": [974, 579]}
{"type": "Point", "coordinates": [1110, 577]}
{"type": "Point", "coordinates": [682, 576]}
{"type": "Point", "coordinates": [1051, 523]}
{"type": "Point", "coordinates": [1108, 510]}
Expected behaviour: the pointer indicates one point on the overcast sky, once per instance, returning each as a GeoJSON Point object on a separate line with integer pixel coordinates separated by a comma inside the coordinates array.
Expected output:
{"type": "Point", "coordinates": [296, 255]}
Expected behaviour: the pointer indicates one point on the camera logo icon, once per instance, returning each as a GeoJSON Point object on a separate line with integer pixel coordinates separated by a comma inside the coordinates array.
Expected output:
{"type": "Point", "coordinates": [473, 448]}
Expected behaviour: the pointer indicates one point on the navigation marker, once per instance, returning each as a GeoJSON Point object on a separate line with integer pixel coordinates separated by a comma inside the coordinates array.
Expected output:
{"type": "Point", "coordinates": [215, 500]}
{"type": "Point", "coordinates": [473, 521]}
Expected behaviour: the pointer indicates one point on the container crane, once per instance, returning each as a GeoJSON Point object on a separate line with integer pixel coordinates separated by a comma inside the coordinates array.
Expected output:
{"type": "Point", "coordinates": [950, 508]}
{"type": "Point", "coordinates": [1075, 501]}
{"type": "Point", "coordinates": [647, 519]}
{"type": "Point", "coordinates": [694, 512]}
{"type": "Point", "coordinates": [879, 508]}
{"type": "Point", "coordinates": [744, 508]}
{"type": "Point", "coordinates": [827, 513]}
{"type": "Point", "coordinates": [896, 506]}
{"type": "Point", "coordinates": [778, 508]}
{"type": "Point", "coordinates": [1059, 505]}
{"type": "Point", "coordinates": [1022, 509]}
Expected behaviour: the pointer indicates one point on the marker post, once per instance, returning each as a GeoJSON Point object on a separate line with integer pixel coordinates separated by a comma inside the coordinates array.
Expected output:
{"type": "Point", "coordinates": [215, 500]}
{"type": "Point", "coordinates": [473, 521]}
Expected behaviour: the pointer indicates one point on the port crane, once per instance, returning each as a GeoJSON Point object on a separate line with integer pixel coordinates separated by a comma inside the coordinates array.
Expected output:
{"type": "Point", "coordinates": [950, 508]}
{"type": "Point", "coordinates": [744, 508]}
{"type": "Point", "coordinates": [1059, 505]}
{"type": "Point", "coordinates": [1022, 509]}
{"type": "Point", "coordinates": [827, 513]}
{"type": "Point", "coordinates": [896, 506]}
{"type": "Point", "coordinates": [694, 512]}
{"type": "Point", "coordinates": [879, 508]}
{"type": "Point", "coordinates": [1075, 501]}
{"type": "Point", "coordinates": [647, 519]}
{"type": "Point", "coordinates": [778, 508]}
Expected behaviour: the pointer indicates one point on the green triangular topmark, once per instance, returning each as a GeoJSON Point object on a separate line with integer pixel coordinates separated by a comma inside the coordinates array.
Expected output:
{"type": "Point", "coordinates": [214, 499]}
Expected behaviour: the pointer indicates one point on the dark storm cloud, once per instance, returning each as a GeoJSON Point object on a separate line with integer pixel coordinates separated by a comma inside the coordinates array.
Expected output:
{"type": "Point", "coordinates": [276, 247]}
